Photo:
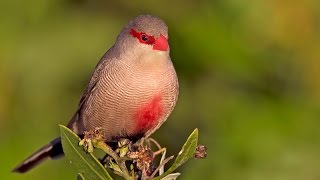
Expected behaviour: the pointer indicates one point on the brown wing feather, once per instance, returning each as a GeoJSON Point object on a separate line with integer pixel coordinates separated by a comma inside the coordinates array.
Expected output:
{"type": "Point", "coordinates": [94, 79]}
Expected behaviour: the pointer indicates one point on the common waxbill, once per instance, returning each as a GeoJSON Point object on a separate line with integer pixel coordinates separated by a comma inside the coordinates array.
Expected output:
{"type": "Point", "coordinates": [131, 92]}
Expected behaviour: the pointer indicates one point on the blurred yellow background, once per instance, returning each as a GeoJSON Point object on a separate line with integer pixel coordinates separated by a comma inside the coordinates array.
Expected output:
{"type": "Point", "coordinates": [249, 73]}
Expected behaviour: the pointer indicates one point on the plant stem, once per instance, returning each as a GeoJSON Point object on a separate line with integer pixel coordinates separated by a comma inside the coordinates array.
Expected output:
{"type": "Point", "coordinates": [161, 165]}
{"type": "Point", "coordinates": [120, 161]}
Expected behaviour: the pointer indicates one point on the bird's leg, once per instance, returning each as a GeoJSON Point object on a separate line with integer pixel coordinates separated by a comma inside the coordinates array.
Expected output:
{"type": "Point", "coordinates": [160, 151]}
{"type": "Point", "coordinates": [149, 140]}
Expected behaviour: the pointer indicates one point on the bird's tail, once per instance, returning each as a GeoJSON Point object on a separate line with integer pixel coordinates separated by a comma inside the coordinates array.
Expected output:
{"type": "Point", "coordinates": [52, 150]}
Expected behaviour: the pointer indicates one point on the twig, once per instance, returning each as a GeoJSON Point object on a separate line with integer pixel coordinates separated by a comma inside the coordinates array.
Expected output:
{"type": "Point", "coordinates": [120, 161]}
{"type": "Point", "coordinates": [161, 170]}
{"type": "Point", "coordinates": [161, 165]}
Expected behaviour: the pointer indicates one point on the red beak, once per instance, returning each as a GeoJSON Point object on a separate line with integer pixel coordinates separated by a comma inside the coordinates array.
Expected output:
{"type": "Point", "coordinates": [161, 43]}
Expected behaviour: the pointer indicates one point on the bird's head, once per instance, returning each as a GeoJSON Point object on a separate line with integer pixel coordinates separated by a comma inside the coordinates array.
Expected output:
{"type": "Point", "coordinates": [146, 32]}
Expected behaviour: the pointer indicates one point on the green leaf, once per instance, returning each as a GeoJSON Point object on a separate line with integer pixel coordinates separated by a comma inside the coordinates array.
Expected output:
{"type": "Point", "coordinates": [185, 153]}
{"type": "Point", "coordinates": [87, 166]}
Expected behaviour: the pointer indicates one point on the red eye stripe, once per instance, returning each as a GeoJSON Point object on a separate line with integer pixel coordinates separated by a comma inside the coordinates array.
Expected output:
{"type": "Point", "coordinates": [143, 37]}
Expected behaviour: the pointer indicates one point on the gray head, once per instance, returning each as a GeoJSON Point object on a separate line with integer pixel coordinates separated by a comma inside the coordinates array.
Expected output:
{"type": "Point", "coordinates": [145, 32]}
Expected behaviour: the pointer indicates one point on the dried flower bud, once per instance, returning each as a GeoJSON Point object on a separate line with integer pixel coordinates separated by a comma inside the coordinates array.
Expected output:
{"type": "Point", "coordinates": [201, 152]}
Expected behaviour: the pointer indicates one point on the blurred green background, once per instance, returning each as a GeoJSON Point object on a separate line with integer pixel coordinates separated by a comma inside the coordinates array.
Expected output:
{"type": "Point", "coordinates": [249, 73]}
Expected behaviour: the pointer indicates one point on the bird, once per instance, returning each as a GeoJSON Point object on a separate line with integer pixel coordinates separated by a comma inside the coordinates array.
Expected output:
{"type": "Point", "coordinates": [131, 92]}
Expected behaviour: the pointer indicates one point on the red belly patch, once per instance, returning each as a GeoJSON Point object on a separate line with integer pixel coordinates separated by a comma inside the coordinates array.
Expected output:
{"type": "Point", "coordinates": [148, 115]}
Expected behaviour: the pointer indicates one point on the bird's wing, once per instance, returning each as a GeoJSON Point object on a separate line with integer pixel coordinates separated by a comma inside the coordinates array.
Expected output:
{"type": "Point", "coordinates": [93, 82]}
{"type": "Point", "coordinates": [95, 77]}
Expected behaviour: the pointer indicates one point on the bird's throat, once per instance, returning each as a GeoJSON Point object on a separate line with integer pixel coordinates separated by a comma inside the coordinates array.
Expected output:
{"type": "Point", "coordinates": [148, 115]}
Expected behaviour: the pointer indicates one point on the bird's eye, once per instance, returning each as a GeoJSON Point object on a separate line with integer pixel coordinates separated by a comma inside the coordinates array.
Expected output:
{"type": "Point", "coordinates": [144, 37]}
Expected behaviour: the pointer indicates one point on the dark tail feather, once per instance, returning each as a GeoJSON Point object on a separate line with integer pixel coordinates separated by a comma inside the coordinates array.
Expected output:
{"type": "Point", "coordinates": [52, 150]}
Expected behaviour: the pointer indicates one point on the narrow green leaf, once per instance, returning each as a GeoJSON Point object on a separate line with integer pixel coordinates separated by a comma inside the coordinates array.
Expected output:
{"type": "Point", "coordinates": [85, 163]}
{"type": "Point", "coordinates": [185, 153]}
